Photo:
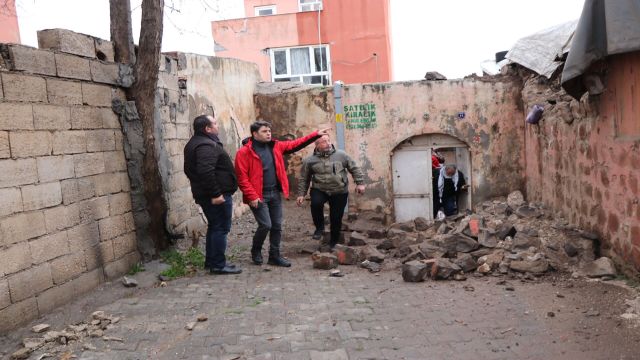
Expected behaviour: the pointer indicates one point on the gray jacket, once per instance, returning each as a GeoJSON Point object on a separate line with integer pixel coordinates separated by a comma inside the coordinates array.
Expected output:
{"type": "Point", "coordinates": [327, 172]}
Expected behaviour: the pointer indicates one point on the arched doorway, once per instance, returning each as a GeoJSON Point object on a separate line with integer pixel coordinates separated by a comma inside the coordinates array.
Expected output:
{"type": "Point", "coordinates": [412, 175]}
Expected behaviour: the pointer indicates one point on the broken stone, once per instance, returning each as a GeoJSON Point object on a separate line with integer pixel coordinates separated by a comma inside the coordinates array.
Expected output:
{"type": "Point", "coordinates": [443, 269]}
{"type": "Point", "coordinates": [40, 328]}
{"type": "Point", "coordinates": [431, 250]}
{"type": "Point", "coordinates": [129, 282]}
{"type": "Point", "coordinates": [386, 244]}
{"type": "Point", "coordinates": [335, 273]}
{"type": "Point", "coordinates": [466, 262]}
{"type": "Point", "coordinates": [347, 255]}
{"type": "Point", "coordinates": [475, 223]}
{"type": "Point", "coordinates": [190, 325]}
{"type": "Point", "coordinates": [481, 252]}
{"type": "Point", "coordinates": [524, 242]}
{"type": "Point", "coordinates": [408, 226]}
{"type": "Point", "coordinates": [537, 267]}
{"type": "Point", "coordinates": [506, 229]}
{"type": "Point", "coordinates": [421, 224]}
{"type": "Point", "coordinates": [416, 254]}
{"type": "Point", "coordinates": [95, 322]}
{"type": "Point", "coordinates": [357, 239]}
{"type": "Point", "coordinates": [372, 254]}
{"type": "Point", "coordinates": [414, 271]}
{"type": "Point", "coordinates": [403, 251]}
{"type": "Point", "coordinates": [87, 346]}
{"type": "Point", "coordinates": [459, 277]}
{"type": "Point", "coordinates": [96, 333]}
{"type": "Point", "coordinates": [434, 76]}
{"type": "Point", "coordinates": [600, 267]}
{"type": "Point", "coordinates": [528, 212]}
{"type": "Point", "coordinates": [484, 269]}
{"type": "Point", "coordinates": [33, 343]}
{"type": "Point", "coordinates": [515, 199]}
{"type": "Point", "coordinates": [458, 243]}
{"type": "Point", "coordinates": [503, 268]}
{"type": "Point", "coordinates": [112, 338]}
{"type": "Point", "coordinates": [376, 233]}
{"type": "Point", "coordinates": [324, 261]}
{"type": "Point", "coordinates": [21, 354]}
{"type": "Point", "coordinates": [202, 317]}
{"type": "Point", "coordinates": [493, 260]}
{"type": "Point", "coordinates": [570, 250]}
{"type": "Point", "coordinates": [99, 315]}
{"type": "Point", "coordinates": [51, 336]}
{"type": "Point", "coordinates": [487, 238]}
{"type": "Point", "coordinates": [443, 229]}
{"type": "Point", "coordinates": [371, 266]}
{"type": "Point", "coordinates": [469, 288]}
{"type": "Point", "coordinates": [394, 232]}
{"type": "Point", "coordinates": [81, 327]}
{"type": "Point", "coordinates": [589, 235]}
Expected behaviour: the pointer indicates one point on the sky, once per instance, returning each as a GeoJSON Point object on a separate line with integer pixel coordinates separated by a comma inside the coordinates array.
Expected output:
{"type": "Point", "coordinates": [452, 37]}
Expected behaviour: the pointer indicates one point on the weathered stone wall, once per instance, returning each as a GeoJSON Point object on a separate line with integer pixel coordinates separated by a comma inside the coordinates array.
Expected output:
{"type": "Point", "coordinates": [65, 211]}
{"type": "Point", "coordinates": [583, 160]}
{"type": "Point", "coordinates": [191, 85]}
{"type": "Point", "coordinates": [491, 127]}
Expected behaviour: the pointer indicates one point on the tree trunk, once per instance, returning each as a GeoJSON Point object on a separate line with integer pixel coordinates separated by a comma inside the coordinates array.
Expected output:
{"type": "Point", "coordinates": [143, 92]}
{"type": "Point", "coordinates": [121, 35]}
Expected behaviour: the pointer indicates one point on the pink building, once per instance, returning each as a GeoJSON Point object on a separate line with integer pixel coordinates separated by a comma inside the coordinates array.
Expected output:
{"type": "Point", "coordinates": [311, 41]}
{"type": "Point", "coordinates": [9, 31]}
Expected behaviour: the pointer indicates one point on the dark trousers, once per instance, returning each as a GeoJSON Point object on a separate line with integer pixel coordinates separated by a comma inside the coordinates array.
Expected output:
{"type": "Point", "coordinates": [450, 205]}
{"type": "Point", "coordinates": [337, 204]}
{"type": "Point", "coordinates": [268, 214]}
{"type": "Point", "coordinates": [219, 219]}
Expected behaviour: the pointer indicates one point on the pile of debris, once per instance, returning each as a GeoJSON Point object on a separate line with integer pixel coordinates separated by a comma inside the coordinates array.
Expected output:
{"type": "Point", "coordinates": [499, 238]}
{"type": "Point", "coordinates": [73, 337]}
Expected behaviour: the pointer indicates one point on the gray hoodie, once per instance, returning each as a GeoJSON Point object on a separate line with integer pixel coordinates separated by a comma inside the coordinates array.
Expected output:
{"type": "Point", "coordinates": [327, 172]}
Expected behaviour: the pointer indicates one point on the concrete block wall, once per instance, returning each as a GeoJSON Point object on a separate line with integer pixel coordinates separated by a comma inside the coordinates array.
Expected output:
{"type": "Point", "coordinates": [65, 212]}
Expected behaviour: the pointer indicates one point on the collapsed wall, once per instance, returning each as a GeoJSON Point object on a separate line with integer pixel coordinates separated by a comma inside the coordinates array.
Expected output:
{"type": "Point", "coordinates": [65, 212]}
{"type": "Point", "coordinates": [582, 158]}
{"type": "Point", "coordinates": [485, 114]}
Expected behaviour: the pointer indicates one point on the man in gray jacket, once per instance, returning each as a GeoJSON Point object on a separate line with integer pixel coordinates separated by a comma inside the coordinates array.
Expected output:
{"type": "Point", "coordinates": [326, 170]}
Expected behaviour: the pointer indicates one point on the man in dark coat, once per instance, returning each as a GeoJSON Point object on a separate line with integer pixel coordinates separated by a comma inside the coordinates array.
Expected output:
{"type": "Point", "coordinates": [450, 183]}
{"type": "Point", "coordinates": [213, 181]}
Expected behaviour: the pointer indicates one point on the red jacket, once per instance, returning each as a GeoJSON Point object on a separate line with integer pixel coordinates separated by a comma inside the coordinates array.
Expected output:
{"type": "Point", "coordinates": [249, 167]}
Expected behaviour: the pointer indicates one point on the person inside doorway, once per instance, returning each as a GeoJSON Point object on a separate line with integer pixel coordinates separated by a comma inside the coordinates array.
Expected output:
{"type": "Point", "coordinates": [451, 183]}
{"type": "Point", "coordinates": [437, 161]}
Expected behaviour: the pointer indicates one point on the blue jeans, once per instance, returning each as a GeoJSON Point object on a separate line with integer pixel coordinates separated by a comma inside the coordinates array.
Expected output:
{"type": "Point", "coordinates": [219, 219]}
{"type": "Point", "coordinates": [268, 214]}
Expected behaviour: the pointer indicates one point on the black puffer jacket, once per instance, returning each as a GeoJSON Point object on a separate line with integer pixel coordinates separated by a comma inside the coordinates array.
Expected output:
{"type": "Point", "coordinates": [209, 168]}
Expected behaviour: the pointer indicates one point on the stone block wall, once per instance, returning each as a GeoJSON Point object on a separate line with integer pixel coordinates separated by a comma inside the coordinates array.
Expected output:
{"type": "Point", "coordinates": [65, 211]}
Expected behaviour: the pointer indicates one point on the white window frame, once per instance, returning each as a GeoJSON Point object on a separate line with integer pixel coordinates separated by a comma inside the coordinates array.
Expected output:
{"type": "Point", "coordinates": [256, 10]}
{"type": "Point", "coordinates": [314, 5]}
{"type": "Point", "coordinates": [312, 64]}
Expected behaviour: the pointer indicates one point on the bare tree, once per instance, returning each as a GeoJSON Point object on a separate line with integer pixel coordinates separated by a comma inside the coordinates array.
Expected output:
{"type": "Point", "coordinates": [143, 93]}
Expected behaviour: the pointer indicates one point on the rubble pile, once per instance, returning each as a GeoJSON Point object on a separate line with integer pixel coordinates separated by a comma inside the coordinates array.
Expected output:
{"type": "Point", "coordinates": [500, 237]}
{"type": "Point", "coordinates": [73, 337]}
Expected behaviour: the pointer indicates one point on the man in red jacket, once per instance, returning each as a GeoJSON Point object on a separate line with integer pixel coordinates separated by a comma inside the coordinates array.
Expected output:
{"type": "Point", "coordinates": [262, 178]}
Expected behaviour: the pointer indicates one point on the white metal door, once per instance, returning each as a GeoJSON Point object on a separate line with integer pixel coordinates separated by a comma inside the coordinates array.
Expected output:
{"type": "Point", "coordinates": [411, 169]}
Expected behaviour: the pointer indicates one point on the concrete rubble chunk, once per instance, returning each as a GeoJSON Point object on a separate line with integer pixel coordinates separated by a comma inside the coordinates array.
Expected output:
{"type": "Point", "coordinates": [528, 212]}
{"type": "Point", "coordinates": [67, 41]}
{"type": "Point", "coordinates": [600, 268]}
{"type": "Point", "coordinates": [347, 255]}
{"type": "Point", "coordinates": [443, 269]}
{"type": "Point", "coordinates": [515, 199]}
{"type": "Point", "coordinates": [434, 76]}
{"type": "Point", "coordinates": [21, 354]}
{"type": "Point", "coordinates": [190, 325]}
{"type": "Point", "coordinates": [422, 224]}
{"type": "Point", "coordinates": [99, 315]}
{"type": "Point", "coordinates": [33, 343]}
{"type": "Point", "coordinates": [372, 254]}
{"type": "Point", "coordinates": [416, 254]}
{"type": "Point", "coordinates": [407, 226]}
{"type": "Point", "coordinates": [357, 239]}
{"type": "Point", "coordinates": [202, 317]}
{"type": "Point", "coordinates": [371, 266]}
{"type": "Point", "coordinates": [129, 282]}
{"type": "Point", "coordinates": [458, 243]}
{"type": "Point", "coordinates": [484, 269]}
{"type": "Point", "coordinates": [414, 271]}
{"type": "Point", "coordinates": [386, 244]}
{"type": "Point", "coordinates": [506, 229]}
{"type": "Point", "coordinates": [376, 233]}
{"type": "Point", "coordinates": [431, 250]}
{"type": "Point", "coordinates": [324, 261]}
{"type": "Point", "coordinates": [40, 328]}
{"type": "Point", "coordinates": [487, 238]}
{"type": "Point", "coordinates": [524, 242]}
{"type": "Point", "coordinates": [493, 260]}
{"type": "Point", "coordinates": [536, 267]}
{"type": "Point", "coordinates": [466, 262]}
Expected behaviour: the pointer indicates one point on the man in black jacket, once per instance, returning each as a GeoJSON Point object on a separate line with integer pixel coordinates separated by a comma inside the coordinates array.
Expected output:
{"type": "Point", "coordinates": [213, 181]}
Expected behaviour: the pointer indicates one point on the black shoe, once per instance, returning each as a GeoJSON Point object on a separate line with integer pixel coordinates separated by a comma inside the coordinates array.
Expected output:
{"type": "Point", "coordinates": [279, 261]}
{"type": "Point", "coordinates": [225, 271]}
{"type": "Point", "coordinates": [233, 266]}
{"type": "Point", "coordinates": [317, 235]}
{"type": "Point", "coordinates": [257, 258]}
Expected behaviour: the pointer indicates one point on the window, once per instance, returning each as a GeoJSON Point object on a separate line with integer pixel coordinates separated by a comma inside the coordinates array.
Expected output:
{"type": "Point", "coordinates": [309, 5]}
{"type": "Point", "coordinates": [265, 10]}
{"type": "Point", "coordinates": [307, 64]}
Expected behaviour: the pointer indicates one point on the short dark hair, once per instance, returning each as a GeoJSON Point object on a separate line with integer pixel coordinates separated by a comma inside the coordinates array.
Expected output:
{"type": "Point", "coordinates": [255, 127]}
{"type": "Point", "coordinates": [200, 123]}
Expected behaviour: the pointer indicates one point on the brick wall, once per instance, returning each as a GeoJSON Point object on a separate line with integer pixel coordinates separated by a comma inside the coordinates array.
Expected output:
{"type": "Point", "coordinates": [65, 212]}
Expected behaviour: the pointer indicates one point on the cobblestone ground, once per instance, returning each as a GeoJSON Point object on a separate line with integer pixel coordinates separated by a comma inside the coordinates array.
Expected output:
{"type": "Point", "coordinates": [302, 313]}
